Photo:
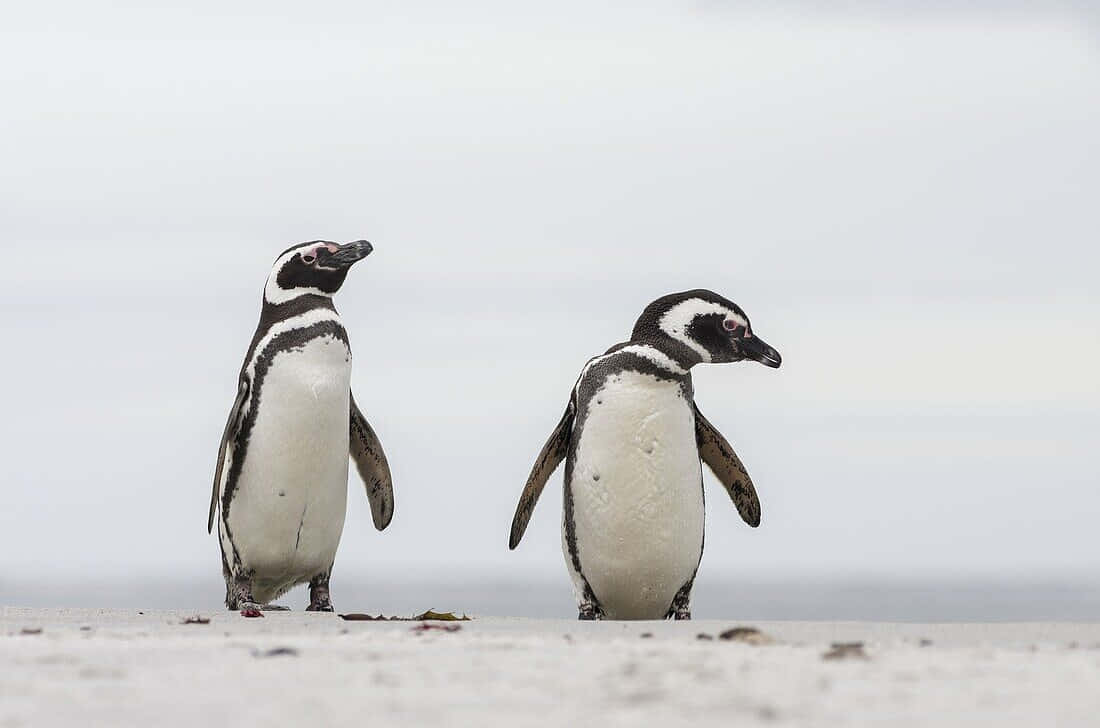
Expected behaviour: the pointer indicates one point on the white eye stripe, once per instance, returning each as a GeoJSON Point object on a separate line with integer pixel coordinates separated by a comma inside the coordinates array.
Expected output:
{"type": "Point", "coordinates": [676, 320]}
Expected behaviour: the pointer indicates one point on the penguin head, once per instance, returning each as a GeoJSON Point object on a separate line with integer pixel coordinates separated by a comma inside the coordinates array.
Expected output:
{"type": "Point", "coordinates": [316, 268]}
{"type": "Point", "coordinates": [700, 326]}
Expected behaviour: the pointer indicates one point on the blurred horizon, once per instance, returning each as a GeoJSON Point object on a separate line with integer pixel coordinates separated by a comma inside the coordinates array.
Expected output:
{"type": "Point", "coordinates": [902, 199]}
{"type": "Point", "coordinates": [870, 597]}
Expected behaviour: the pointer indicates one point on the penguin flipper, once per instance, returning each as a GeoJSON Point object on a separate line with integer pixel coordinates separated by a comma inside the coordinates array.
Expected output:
{"type": "Point", "coordinates": [719, 456]}
{"type": "Point", "coordinates": [371, 463]}
{"type": "Point", "coordinates": [552, 454]}
{"type": "Point", "coordinates": [231, 427]}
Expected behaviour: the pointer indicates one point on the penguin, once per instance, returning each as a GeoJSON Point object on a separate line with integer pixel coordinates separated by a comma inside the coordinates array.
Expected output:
{"type": "Point", "coordinates": [632, 439]}
{"type": "Point", "coordinates": [281, 481]}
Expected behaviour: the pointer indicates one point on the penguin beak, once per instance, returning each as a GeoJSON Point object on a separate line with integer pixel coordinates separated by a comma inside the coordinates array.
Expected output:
{"type": "Point", "coordinates": [753, 347]}
{"type": "Point", "coordinates": [348, 255]}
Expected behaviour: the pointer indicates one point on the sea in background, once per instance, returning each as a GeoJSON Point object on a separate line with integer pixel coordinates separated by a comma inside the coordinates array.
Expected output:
{"type": "Point", "coordinates": [848, 598]}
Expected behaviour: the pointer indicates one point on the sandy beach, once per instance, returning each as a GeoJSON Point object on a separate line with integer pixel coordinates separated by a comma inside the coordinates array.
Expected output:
{"type": "Point", "coordinates": [122, 667]}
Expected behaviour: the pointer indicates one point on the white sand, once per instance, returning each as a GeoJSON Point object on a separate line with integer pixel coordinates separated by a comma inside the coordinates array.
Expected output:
{"type": "Point", "coordinates": [121, 668]}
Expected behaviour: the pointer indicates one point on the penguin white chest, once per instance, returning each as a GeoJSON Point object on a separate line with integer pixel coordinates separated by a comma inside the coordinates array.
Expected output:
{"type": "Point", "coordinates": [637, 495]}
{"type": "Point", "coordinates": [288, 512]}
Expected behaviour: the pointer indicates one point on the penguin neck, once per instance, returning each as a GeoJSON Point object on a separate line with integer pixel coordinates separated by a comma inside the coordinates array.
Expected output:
{"type": "Point", "coordinates": [272, 312]}
{"type": "Point", "coordinates": [679, 352]}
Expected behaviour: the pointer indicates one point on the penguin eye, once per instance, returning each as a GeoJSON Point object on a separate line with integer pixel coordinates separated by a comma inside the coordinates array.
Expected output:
{"type": "Point", "coordinates": [308, 258]}
{"type": "Point", "coordinates": [734, 328]}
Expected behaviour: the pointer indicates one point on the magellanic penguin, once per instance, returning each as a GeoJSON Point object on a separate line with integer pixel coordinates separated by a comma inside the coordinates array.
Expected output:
{"type": "Point", "coordinates": [282, 473]}
{"type": "Point", "coordinates": [632, 438]}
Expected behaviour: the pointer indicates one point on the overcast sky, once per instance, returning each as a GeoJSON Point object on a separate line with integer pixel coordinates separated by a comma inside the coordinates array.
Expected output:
{"type": "Point", "coordinates": [905, 204]}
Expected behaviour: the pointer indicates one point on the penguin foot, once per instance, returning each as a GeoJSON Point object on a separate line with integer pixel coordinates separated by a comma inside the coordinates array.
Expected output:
{"type": "Point", "coordinates": [238, 593]}
{"type": "Point", "coordinates": [251, 606]}
{"type": "Point", "coordinates": [681, 614]}
{"type": "Point", "coordinates": [251, 609]}
{"type": "Point", "coordinates": [318, 594]}
{"type": "Point", "coordinates": [589, 612]}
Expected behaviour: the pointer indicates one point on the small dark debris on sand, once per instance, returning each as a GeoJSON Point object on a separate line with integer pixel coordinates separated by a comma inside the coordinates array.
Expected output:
{"type": "Point", "coordinates": [925, 642]}
{"type": "Point", "coordinates": [251, 613]}
{"type": "Point", "coordinates": [440, 616]}
{"type": "Point", "coordinates": [425, 616]}
{"type": "Point", "coordinates": [425, 627]}
{"type": "Point", "coordinates": [704, 636]}
{"type": "Point", "coordinates": [845, 651]}
{"type": "Point", "coordinates": [31, 630]}
{"type": "Point", "coordinates": [276, 652]}
{"type": "Point", "coordinates": [86, 628]}
{"type": "Point", "coordinates": [646, 635]}
{"type": "Point", "coordinates": [748, 635]}
{"type": "Point", "coordinates": [196, 620]}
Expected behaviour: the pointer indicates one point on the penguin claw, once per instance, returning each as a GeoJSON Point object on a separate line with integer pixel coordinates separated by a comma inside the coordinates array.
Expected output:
{"type": "Point", "coordinates": [325, 607]}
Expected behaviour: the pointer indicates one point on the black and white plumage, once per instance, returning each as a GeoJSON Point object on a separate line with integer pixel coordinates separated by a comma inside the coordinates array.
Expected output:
{"type": "Point", "coordinates": [632, 438]}
{"type": "Point", "coordinates": [281, 480]}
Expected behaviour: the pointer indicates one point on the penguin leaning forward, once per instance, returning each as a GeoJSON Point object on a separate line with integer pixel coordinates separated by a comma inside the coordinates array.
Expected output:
{"type": "Point", "coordinates": [632, 438]}
{"type": "Point", "coordinates": [281, 482]}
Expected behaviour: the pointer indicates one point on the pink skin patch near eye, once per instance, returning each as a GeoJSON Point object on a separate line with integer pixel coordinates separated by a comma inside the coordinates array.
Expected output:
{"type": "Point", "coordinates": [311, 256]}
{"type": "Point", "coordinates": [735, 327]}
